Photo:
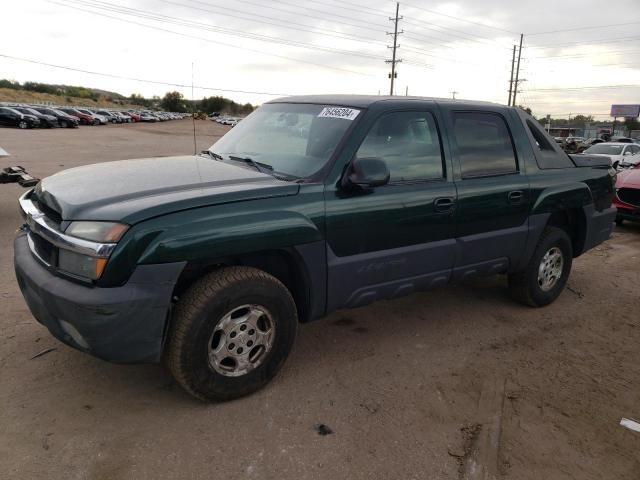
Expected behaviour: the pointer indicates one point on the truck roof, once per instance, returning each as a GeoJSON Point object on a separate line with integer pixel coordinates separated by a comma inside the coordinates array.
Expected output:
{"type": "Point", "coordinates": [365, 101]}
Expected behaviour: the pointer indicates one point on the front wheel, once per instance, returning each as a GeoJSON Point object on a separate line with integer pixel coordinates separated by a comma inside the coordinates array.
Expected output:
{"type": "Point", "coordinates": [546, 274]}
{"type": "Point", "coordinates": [231, 333]}
{"type": "Point", "coordinates": [23, 124]}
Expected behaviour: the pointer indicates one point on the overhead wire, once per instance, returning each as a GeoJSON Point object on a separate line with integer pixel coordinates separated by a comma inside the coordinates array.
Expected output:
{"type": "Point", "coordinates": [217, 42]}
{"type": "Point", "coordinates": [122, 77]}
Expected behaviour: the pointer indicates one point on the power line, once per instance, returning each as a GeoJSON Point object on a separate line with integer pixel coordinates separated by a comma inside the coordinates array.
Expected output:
{"type": "Point", "coordinates": [281, 23]}
{"type": "Point", "coordinates": [216, 42]}
{"type": "Point", "coordinates": [121, 77]}
{"type": "Point", "coordinates": [582, 55]}
{"type": "Point", "coordinates": [458, 19]}
{"type": "Point", "coordinates": [213, 28]}
{"type": "Point", "coordinates": [593, 27]}
{"type": "Point", "coordinates": [374, 12]}
{"type": "Point", "coordinates": [271, 7]}
{"type": "Point", "coordinates": [586, 42]}
{"type": "Point", "coordinates": [593, 87]}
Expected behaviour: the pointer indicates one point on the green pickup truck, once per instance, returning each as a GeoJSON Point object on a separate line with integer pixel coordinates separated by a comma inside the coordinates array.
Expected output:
{"type": "Point", "coordinates": [311, 204]}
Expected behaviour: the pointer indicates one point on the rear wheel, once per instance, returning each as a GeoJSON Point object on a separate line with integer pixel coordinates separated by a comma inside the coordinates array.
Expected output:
{"type": "Point", "coordinates": [544, 278]}
{"type": "Point", "coordinates": [231, 333]}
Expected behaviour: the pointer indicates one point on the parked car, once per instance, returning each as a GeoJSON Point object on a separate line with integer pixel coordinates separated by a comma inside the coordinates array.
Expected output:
{"type": "Point", "coordinates": [582, 146]}
{"type": "Point", "coordinates": [213, 260]}
{"type": "Point", "coordinates": [82, 117]}
{"type": "Point", "coordinates": [623, 153]}
{"type": "Point", "coordinates": [134, 116]}
{"type": "Point", "coordinates": [109, 116]}
{"type": "Point", "coordinates": [48, 121]}
{"type": "Point", "coordinates": [147, 117]}
{"type": "Point", "coordinates": [621, 140]}
{"type": "Point", "coordinates": [627, 199]}
{"type": "Point", "coordinates": [124, 118]}
{"type": "Point", "coordinates": [64, 119]}
{"type": "Point", "coordinates": [97, 118]}
{"type": "Point", "coordinates": [10, 117]}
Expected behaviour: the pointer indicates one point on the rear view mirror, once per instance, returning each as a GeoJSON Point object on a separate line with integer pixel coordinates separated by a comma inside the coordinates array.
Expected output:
{"type": "Point", "coordinates": [366, 173]}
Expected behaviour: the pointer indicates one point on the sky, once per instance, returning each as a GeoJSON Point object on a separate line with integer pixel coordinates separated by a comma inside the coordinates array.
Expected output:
{"type": "Point", "coordinates": [257, 50]}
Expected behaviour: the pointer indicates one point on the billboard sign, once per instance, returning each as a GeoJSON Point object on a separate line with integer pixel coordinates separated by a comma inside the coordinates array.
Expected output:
{"type": "Point", "coordinates": [632, 111]}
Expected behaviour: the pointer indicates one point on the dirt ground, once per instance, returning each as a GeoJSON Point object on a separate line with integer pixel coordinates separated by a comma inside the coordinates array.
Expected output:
{"type": "Point", "coordinates": [401, 384]}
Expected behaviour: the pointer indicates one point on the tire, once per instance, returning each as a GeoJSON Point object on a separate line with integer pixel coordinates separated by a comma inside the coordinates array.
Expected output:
{"type": "Point", "coordinates": [211, 314]}
{"type": "Point", "coordinates": [22, 124]}
{"type": "Point", "coordinates": [64, 124]}
{"type": "Point", "coordinates": [619, 221]}
{"type": "Point", "coordinates": [533, 288]}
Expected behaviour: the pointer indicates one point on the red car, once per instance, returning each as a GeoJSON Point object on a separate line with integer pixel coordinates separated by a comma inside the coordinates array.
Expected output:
{"type": "Point", "coordinates": [627, 199]}
{"type": "Point", "coordinates": [135, 116]}
{"type": "Point", "coordinates": [83, 117]}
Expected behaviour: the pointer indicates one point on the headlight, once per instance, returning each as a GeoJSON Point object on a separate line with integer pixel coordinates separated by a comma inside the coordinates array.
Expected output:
{"type": "Point", "coordinates": [81, 265]}
{"type": "Point", "coordinates": [103, 232]}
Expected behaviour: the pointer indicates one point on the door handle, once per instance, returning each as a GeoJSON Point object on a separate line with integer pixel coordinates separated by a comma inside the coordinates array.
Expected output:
{"type": "Point", "coordinates": [444, 204]}
{"type": "Point", "coordinates": [516, 197]}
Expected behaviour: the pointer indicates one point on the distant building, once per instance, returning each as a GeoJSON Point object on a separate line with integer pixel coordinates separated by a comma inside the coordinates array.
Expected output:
{"type": "Point", "coordinates": [565, 132]}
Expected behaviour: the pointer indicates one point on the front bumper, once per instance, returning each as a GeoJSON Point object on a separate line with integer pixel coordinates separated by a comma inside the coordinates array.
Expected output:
{"type": "Point", "coordinates": [631, 214]}
{"type": "Point", "coordinates": [124, 324]}
{"type": "Point", "coordinates": [626, 211]}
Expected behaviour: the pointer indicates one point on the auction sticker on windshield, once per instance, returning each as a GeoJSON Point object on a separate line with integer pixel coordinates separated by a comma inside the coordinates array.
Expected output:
{"type": "Point", "coordinates": [339, 112]}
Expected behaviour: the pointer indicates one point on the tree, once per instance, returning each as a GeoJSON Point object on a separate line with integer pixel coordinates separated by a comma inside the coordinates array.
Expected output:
{"type": "Point", "coordinates": [173, 102]}
{"type": "Point", "coordinates": [582, 119]}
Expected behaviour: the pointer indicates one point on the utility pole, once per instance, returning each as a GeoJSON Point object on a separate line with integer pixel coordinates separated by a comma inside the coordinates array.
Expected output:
{"type": "Point", "coordinates": [515, 87]}
{"type": "Point", "coordinates": [395, 34]}
{"type": "Point", "coordinates": [513, 65]}
{"type": "Point", "coordinates": [453, 94]}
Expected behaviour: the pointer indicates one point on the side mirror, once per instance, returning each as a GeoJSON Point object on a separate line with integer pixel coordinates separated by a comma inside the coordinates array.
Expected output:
{"type": "Point", "coordinates": [628, 152]}
{"type": "Point", "coordinates": [366, 173]}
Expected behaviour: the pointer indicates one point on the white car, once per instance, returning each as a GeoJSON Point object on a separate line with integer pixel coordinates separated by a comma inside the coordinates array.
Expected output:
{"type": "Point", "coordinates": [626, 154]}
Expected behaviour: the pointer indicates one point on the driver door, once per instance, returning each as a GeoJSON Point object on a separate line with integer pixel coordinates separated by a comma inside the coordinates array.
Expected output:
{"type": "Point", "coordinates": [394, 239]}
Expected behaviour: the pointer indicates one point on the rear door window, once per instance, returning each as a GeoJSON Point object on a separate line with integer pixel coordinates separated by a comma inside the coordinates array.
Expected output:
{"type": "Point", "coordinates": [485, 147]}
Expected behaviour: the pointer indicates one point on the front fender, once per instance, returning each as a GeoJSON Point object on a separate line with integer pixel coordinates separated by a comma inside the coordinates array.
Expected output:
{"type": "Point", "coordinates": [209, 233]}
{"type": "Point", "coordinates": [212, 236]}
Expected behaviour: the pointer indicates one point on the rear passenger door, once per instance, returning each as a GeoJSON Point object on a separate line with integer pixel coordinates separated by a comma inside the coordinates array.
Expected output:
{"type": "Point", "coordinates": [493, 193]}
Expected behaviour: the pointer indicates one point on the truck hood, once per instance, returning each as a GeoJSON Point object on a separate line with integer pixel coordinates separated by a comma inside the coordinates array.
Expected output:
{"type": "Point", "coordinates": [130, 191]}
{"type": "Point", "coordinates": [629, 178]}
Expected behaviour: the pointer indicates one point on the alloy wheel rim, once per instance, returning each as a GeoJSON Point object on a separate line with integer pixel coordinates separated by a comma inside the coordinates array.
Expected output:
{"type": "Point", "coordinates": [241, 340]}
{"type": "Point", "coordinates": [550, 269]}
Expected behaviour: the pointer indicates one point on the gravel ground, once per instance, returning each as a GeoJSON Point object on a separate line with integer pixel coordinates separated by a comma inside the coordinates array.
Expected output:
{"type": "Point", "coordinates": [400, 384]}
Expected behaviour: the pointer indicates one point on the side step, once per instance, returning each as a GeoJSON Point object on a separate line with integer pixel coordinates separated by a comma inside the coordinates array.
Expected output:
{"type": "Point", "coordinates": [17, 175]}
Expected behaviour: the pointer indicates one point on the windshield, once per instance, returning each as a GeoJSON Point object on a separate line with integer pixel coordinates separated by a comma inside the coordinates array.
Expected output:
{"type": "Point", "coordinates": [605, 149]}
{"type": "Point", "coordinates": [295, 139]}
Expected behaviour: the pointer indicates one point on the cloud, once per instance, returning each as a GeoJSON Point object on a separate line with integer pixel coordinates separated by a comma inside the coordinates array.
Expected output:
{"type": "Point", "coordinates": [289, 46]}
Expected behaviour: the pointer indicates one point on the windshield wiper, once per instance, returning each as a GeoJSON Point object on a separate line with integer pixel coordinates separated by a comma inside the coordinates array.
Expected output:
{"type": "Point", "coordinates": [261, 167]}
{"type": "Point", "coordinates": [214, 155]}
